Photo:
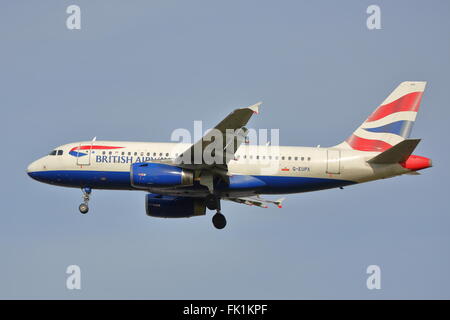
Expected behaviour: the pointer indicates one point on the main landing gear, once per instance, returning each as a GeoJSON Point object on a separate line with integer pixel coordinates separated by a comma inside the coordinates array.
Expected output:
{"type": "Point", "coordinates": [84, 208]}
{"type": "Point", "coordinates": [219, 221]}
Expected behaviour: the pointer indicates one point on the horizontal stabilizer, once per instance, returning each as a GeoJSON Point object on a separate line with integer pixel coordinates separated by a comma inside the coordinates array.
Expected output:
{"type": "Point", "coordinates": [398, 153]}
{"type": "Point", "coordinates": [413, 173]}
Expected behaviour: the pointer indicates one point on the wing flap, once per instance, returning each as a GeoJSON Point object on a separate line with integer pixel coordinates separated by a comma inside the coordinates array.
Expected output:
{"type": "Point", "coordinates": [257, 201]}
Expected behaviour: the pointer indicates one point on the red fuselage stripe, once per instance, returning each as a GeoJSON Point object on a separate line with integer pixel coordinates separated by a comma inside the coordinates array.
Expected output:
{"type": "Point", "coordinates": [94, 148]}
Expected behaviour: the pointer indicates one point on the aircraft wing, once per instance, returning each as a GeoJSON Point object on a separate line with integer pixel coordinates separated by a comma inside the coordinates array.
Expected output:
{"type": "Point", "coordinates": [218, 146]}
{"type": "Point", "coordinates": [257, 201]}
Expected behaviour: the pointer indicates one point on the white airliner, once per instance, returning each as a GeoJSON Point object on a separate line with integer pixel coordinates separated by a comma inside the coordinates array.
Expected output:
{"type": "Point", "coordinates": [181, 184]}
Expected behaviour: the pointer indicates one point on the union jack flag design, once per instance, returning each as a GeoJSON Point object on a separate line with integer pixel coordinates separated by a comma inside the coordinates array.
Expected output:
{"type": "Point", "coordinates": [391, 122]}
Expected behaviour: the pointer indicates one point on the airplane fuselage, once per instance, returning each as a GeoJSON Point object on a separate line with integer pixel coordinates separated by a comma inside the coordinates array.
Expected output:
{"type": "Point", "coordinates": [255, 170]}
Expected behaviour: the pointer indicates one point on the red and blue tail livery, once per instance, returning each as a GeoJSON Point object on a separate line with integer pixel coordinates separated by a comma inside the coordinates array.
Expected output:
{"type": "Point", "coordinates": [178, 187]}
{"type": "Point", "coordinates": [392, 121]}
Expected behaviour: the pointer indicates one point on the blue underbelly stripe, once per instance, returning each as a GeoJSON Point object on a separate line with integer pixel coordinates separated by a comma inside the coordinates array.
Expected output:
{"type": "Point", "coordinates": [121, 180]}
{"type": "Point", "coordinates": [78, 178]}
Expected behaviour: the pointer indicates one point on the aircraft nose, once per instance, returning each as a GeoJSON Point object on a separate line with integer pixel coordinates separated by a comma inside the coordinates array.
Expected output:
{"type": "Point", "coordinates": [33, 168]}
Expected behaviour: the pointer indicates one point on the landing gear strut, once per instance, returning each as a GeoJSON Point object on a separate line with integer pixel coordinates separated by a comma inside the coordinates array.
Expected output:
{"type": "Point", "coordinates": [84, 208]}
{"type": "Point", "coordinates": [218, 219]}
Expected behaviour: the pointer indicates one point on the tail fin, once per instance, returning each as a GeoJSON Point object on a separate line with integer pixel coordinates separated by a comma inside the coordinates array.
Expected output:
{"type": "Point", "coordinates": [391, 122]}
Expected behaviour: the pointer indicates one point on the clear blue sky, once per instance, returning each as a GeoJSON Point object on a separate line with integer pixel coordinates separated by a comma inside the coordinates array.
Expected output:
{"type": "Point", "coordinates": [136, 71]}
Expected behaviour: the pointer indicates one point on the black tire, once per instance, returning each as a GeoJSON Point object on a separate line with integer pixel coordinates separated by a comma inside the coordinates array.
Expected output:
{"type": "Point", "coordinates": [211, 203]}
{"type": "Point", "coordinates": [83, 208]}
{"type": "Point", "coordinates": [219, 221]}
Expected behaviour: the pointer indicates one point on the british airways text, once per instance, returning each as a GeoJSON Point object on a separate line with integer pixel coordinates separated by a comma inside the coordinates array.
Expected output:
{"type": "Point", "coordinates": [122, 159]}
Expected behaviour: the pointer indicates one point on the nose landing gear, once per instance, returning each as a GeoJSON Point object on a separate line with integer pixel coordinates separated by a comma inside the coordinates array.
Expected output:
{"type": "Point", "coordinates": [84, 208]}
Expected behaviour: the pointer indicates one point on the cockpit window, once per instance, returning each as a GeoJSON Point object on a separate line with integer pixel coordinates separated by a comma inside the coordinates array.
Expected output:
{"type": "Point", "coordinates": [53, 153]}
{"type": "Point", "coordinates": [60, 152]}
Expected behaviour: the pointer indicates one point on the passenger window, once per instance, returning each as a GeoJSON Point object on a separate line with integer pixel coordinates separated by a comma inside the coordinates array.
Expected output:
{"type": "Point", "coordinates": [257, 157]}
{"type": "Point", "coordinates": [296, 158]}
{"type": "Point", "coordinates": [289, 158]}
{"type": "Point", "coordinates": [142, 154]}
{"type": "Point", "coordinates": [148, 154]}
{"type": "Point", "coordinates": [60, 152]}
{"type": "Point", "coordinates": [123, 153]}
{"type": "Point", "coordinates": [110, 153]}
{"type": "Point", "coordinates": [282, 158]}
{"type": "Point", "coordinates": [309, 158]}
{"type": "Point", "coordinates": [167, 155]}
{"type": "Point", "coordinates": [160, 154]}
{"type": "Point", "coordinates": [135, 153]}
{"type": "Point", "coordinates": [303, 158]}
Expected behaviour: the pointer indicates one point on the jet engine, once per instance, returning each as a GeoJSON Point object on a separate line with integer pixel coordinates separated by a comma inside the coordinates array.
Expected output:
{"type": "Point", "coordinates": [173, 207]}
{"type": "Point", "coordinates": [145, 175]}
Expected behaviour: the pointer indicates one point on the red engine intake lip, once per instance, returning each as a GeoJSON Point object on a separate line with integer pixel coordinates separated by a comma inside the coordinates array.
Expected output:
{"type": "Point", "coordinates": [415, 163]}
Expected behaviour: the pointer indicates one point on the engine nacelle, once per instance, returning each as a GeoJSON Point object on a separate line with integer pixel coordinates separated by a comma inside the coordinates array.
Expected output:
{"type": "Point", "coordinates": [145, 175]}
{"type": "Point", "coordinates": [173, 207]}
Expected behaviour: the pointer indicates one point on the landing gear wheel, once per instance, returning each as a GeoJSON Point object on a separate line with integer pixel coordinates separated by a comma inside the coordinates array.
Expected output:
{"type": "Point", "coordinates": [83, 208]}
{"type": "Point", "coordinates": [219, 221]}
{"type": "Point", "coordinates": [211, 203]}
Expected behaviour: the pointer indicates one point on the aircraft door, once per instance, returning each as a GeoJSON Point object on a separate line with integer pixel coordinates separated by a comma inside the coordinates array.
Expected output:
{"type": "Point", "coordinates": [84, 154]}
{"type": "Point", "coordinates": [333, 161]}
